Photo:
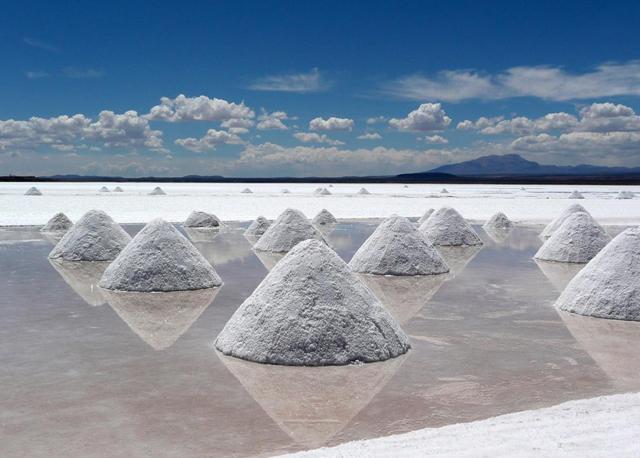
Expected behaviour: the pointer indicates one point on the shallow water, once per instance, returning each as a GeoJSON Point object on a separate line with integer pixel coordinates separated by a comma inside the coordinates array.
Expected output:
{"type": "Point", "coordinates": [81, 377]}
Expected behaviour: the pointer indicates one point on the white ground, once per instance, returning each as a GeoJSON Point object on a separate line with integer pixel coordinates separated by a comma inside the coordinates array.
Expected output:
{"type": "Point", "coordinates": [475, 202]}
{"type": "Point", "coordinates": [601, 427]}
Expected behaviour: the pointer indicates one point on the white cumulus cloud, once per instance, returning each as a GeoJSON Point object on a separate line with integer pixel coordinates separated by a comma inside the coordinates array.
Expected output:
{"type": "Point", "coordinates": [370, 136]}
{"type": "Point", "coordinates": [209, 141]}
{"type": "Point", "coordinates": [427, 117]}
{"type": "Point", "coordinates": [201, 108]}
{"type": "Point", "coordinates": [312, 137]}
{"type": "Point", "coordinates": [331, 123]}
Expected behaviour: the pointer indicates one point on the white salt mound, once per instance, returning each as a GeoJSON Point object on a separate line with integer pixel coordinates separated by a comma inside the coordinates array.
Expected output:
{"type": "Point", "coordinates": [202, 219]}
{"type": "Point", "coordinates": [499, 221]}
{"type": "Point", "coordinates": [396, 247]}
{"type": "Point", "coordinates": [609, 286]}
{"type": "Point", "coordinates": [33, 191]}
{"type": "Point", "coordinates": [104, 189]}
{"type": "Point", "coordinates": [625, 195]}
{"type": "Point", "coordinates": [448, 228]}
{"type": "Point", "coordinates": [578, 239]}
{"type": "Point", "coordinates": [159, 258]}
{"type": "Point", "coordinates": [310, 310]}
{"type": "Point", "coordinates": [94, 237]}
{"type": "Point", "coordinates": [325, 192]}
{"type": "Point", "coordinates": [258, 227]}
{"type": "Point", "coordinates": [158, 191]}
{"type": "Point", "coordinates": [286, 191]}
{"type": "Point", "coordinates": [426, 216]}
{"type": "Point", "coordinates": [117, 189]}
{"type": "Point", "coordinates": [557, 222]}
{"type": "Point", "coordinates": [59, 222]}
{"type": "Point", "coordinates": [444, 191]}
{"type": "Point", "coordinates": [363, 191]}
{"type": "Point", "coordinates": [291, 228]}
{"type": "Point", "coordinates": [576, 195]}
{"type": "Point", "coordinates": [324, 218]}
{"type": "Point", "coordinates": [246, 191]}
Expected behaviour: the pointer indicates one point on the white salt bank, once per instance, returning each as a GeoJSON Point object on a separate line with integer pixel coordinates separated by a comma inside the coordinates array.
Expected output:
{"type": "Point", "coordinates": [104, 189]}
{"type": "Point", "coordinates": [33, 191]}
{"type": "Point", "coordinates": [117, 189]}
{"type": "Point", "coordinates": [58, 223]}
{"type": "Point", "coordinates": [363, 191]}
{"type": "Point", "coordinates": [625, 195]}
{"type": "Point", "coordinates": [609, 286]}
{"type": "Point", "coordinates": [258, 227]}
{"type": "Point", "coordinates": [158, 191]}
{"type": "Point", "coordinates": [202, 219]}
{"type": "Point", "coordinates": [291, 228]}
{"type": "Point", "coordinates": [246, 191]}
{"type": "Point", "coordinates": [324, 218]}
{"type": "Point", "coordinates": [425, 216]}
{"type": "Point", "coordinates": [447, 227]}
{"type": "Point", "coordinates": [578, 239]}
{"type": "Point", "coordinates": [396, 247]}
{"type": "Point", "coordinates": [557, 222]}
{"type": "Point", "coordinates": [94, 237]}
{"type": "Point", "coordinates": [159, 258]}
{"type": "Point", "coordinates": [499, 222]}
{"type": "Point", "coordinates": [576, 195]}
{"type": "Point", "coordinates": [311, 310]}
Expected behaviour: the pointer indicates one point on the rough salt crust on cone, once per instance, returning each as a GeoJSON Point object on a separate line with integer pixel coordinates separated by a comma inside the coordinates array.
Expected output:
{"type": "Point", "coordinates": [324, 218]}
{"type": "Point", "coordinates": [577, 240]}
{"type": "Point", "coordinates": [202, 219]}
{"type": "Point", "coordinates": [397, 248]}
{"type": "Point", "coordinates": [498, 221]}
{"type": "Point", "coordinates": [94, 237]}
{"type": "Point", "coordinates": [426, 216]}
{"type": "Point", "coordinates": [58, 223]}
{"type": "Point", "coordinates": [557, 222]}
{"type": "Point", "coordinates": [33, 191]}
{"type": "Point", "coordinates": [258, 227]}
{"type": "Point", "coordinates": [159, 258]}
{"type": "Point", "coordinates": [311, 310]}
{"type": "Point", "coordinates": [576, 195]}
{"type": "Point", "coordinates": [158, 191]}
{"type": "Point", "coordinates": [447, 227]}
{"type": "Point", "coordinates": [609, 286]}
{"type": "Point", "coordinates": [291, 228]}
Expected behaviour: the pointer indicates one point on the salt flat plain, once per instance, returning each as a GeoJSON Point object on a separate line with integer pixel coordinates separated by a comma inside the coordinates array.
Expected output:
{"type": "Point", "coordinates": [536, 203]}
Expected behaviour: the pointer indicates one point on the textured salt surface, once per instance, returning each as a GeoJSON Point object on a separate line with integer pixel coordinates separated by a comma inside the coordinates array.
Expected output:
{"type": "Point", "coordinates": [498, 221]}
{"type": "Point", "coordinates": [609, 286]}
{"type": "Point", "coordinates": [258, 227]}
{"type": "Point", "coordinates": [117, 189]}
{"type": "Point", "coordinates": [363, 191]}
{"type": "Point", "coordinates": [323, 218]}
{"type": "Point", "coordinates": [33, 191]}
{"type": "Point", "coordinates": [94, 237]}
{"type": "Point", "coordinates": [396, 247]}
{"type": "Point", "coordinates": [159, 258]}
{"type": "Point", "coordinates": [202, 219]}
{"type": "Point", "coordinates": [59, 222]}
{"type": "Point", "coordinates": [425, 216]}
{"type": "Point", "coordinates": [104, 189]}
{"type": "Point", "coordinates": [157, 192]}
{"type": "Point", "coordinates": [287, 231]}
{"type": "Point", "coordinates": [576, 195]}
{"type": "Point", "coordinates": [246, 191]}
{"type": "Point", "coordinates": [448, 228]}
{"type": "Point", "coordinates": [557, 222]}
{"type": "Point", "coordinates": [578, 239]}
{"type": "Point", "coordinates": [311, 310]}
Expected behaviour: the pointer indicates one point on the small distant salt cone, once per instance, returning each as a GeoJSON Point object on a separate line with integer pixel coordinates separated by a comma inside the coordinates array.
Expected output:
{"type": "Point", "coordinates": [609, 286]}
{"type": "Point", "coordinates": [578, 239]}
{"type": "Point", "coordinates": [331, 186]}
{"type": "Point", "coordinates": [325, 192]}
{"type": "Point", "coordinates": [159, 258]}
{"type": "Point", "coordinates": [499, 221]}
{"type": "Point", "coordinates": [104, 189]}
{"type": "Point", "coordinates": [363, 191]}
{"type": "Point", "coordinates": [291, 228]}
{"type": "Point", "coordinates": [522, 188]}
{"type": "Point", "coordinates": [405, 186]}
{"type": "Point", "coordinates": [397, 248]}
{"type": "Point", "coordinates": [317, 190]}
{"type": "Point", "coordinates": [625, 195]}
{"type": "Point", "coordinates": [94, 237]}
{"type": "Point", "coordinates": [557, 222]}
{"type": "Point", "coordinates": [576, 195]}
{"type": "Point", "coordinates": [444, 191]}
{"type": "Point", "coordinates": [246, 191]}
{"type": "Point", "coordinates": [286, 191]}
{"type": "Point", "coordinates": [447, 227]}
{"type": "Point", "coordinates": [425, 217]}
{"type": "Point", "coordinates": [157, 192]}
{"type": "Point", "coordinates": [33, 191]}
{"type": "Point", "coordinates": [324, 218]}
{"type": "Point", "coordinates": [117, 189]}
{"type": "Point", "coordinates": [58, 223]}
{"type": "Point", "coordinates": [258, 227]}
{"type": "Point", "coordinates": [311, 310]}
{"type": "Point", "coordinates": [202, 219]}
{"type": "Point", "coordinates": [83, 278]}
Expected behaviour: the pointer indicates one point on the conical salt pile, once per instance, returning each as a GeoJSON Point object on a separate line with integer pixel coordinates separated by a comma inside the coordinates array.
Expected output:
{"type": "Point", "coordinates": [59, 222]}
{"type": "Point", "coordinates": [578, 239]}
{"type": "Point", "coordinates": [104, 189]}
{"type": "Point", "coordinates": [286, 191]}
{"type": "Point", "coordinates": [363, 191]}
{"type": "Point", "coordinates": [324, 218]}
{"type": "Point", "coordinates": [159, 258]}
{"type": "Point", "coordinates": [94, 237]}
{"type": "Point", "coordinates": [448, 228]}
{"type": "Point", "coordinates": [310, 310]}
{"type": "Point", "coordinates": [426, 216]}
{"type": "Point", "coordinates": [499, 221]}
{"type": "Point", "coordinates": [157, 192]}
{"type": "Point", "coordinates": [33, 191]}
{"type": "Point", "coordinates": [258, 227]}
{"type": "Point", "coordinates": [397, 248]}
{"type": "Point", "coordinates": [291, 228]}
{"type": "Point", "coordinates": [325, 192]}
{"type": "Point", "coordinates": [117, 189]}
{"type": "Point", "coordinates": [557, 222]}
{"type": "Point", "coordinates": [609, 286]}
{"type": "Point", "coordinates": [202, 219]}
{"type": "Point", "coordinates": [625, 195]}
{"type": "Point", "coordinates": [576, 195]}
{"type": "Point", "coordinates": [444, 191]}
{"type": "Point", "coordinates": [246, 191]}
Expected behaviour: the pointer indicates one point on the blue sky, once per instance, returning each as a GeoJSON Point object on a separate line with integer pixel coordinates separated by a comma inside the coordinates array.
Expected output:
{"type": "Point", "coordinates": [287, 88]}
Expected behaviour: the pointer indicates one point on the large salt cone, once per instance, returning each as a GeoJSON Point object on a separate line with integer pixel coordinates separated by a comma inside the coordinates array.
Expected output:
{"type": "Point", "coordinates": [83, 278]}
{"type": "Point", "coordinates": [577, 240]}
{"type": "Point", "coordinates": [397, 248]}
{"type": "Point", "coordinates": [557, 222]}
{"type": "Point", "coordinates": [311, 310]}
{"type": "Point", "coordinates": [202, 220]}
{"type": "Point", "coordinates": [291, 228]}
{"type": "Point", "coordinates": [94, 237]}
{"type": "Point", "coordinates": [160, 318]}
{"type": "Point", "coordinates": [159, 258]}
{"type": "Point", "coordinates": [559, 273]}
{"type": "Point", "coordinates": [58, 223]}
{"type": "Point", "coordinates": [446, 227]}
{"type": "Point", "coordinates": [258, 227]}
{"type": "Point", "coordinates": [609, 286]}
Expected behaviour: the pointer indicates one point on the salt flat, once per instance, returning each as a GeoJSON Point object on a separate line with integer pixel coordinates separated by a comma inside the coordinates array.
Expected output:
{"type": "Point", "coordinates": [537, 203]}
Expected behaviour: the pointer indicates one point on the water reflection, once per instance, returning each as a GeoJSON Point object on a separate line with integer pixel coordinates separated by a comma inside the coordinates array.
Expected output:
{"type": "Point", "coordinates": [201, 235]}
{"type": "Point", "coordinates": [268, 258]}
{"type": "Point", "coordinates": [312, 404]}
{"type": "Point", "coordinates": [498, 235]}
{"type": "Point", "coordinates": [53, 237]}
{"type": "Point", "coordinates": [559, 273]}
{"type": "Point", "coordinates": [326, 228]}
{"type": "Point", "coordinates": [160, 318]}
{"type": "Point", "coordinates": [220, 247]}
{"type": "Point", "coordinates": [83, 278]}
{"type": "Point", "coordinates": [457, 257]}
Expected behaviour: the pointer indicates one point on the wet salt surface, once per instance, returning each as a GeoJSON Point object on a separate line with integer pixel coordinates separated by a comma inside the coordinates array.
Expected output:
{"type": "Point", "coordinates": [83, 378]}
